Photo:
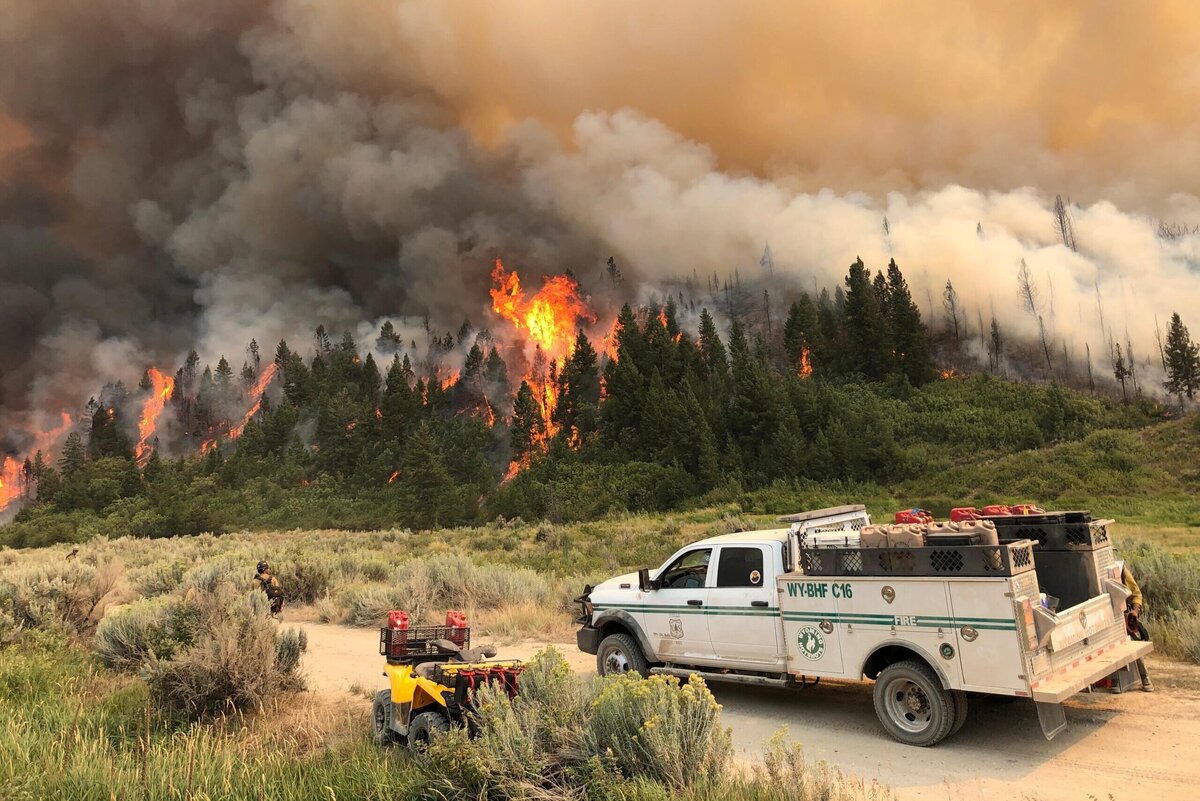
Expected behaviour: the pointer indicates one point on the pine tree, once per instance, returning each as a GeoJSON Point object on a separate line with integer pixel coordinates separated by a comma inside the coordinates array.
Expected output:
{"type": "Point", "coordinates": [953, 311]}
{"type": "Point", "coordinates": [369, 378]}
{"type": "Point", "coordinates": [1121, 371]}
{"type": "Point", "coordinates": [527, 426]}
{"type": "Point", "coordinates": [614, 272]}
{"type": "Point", "coordinates": [995, 348]}
{"type": "Point", "coordinates": [283, 355]}
{"type": "Point", "coordinates": [865, 324]}
{"type": "Point", "coordinates": [1031, 299]}
{"type": "Point", "coordinates": [910, 339]}
{"type": "Point", "coordinates": [297, 381]}
{"type": "Point", "coordinates": [1183, 361]}
{"type": "Point", "coordinates": [798, 331]}
{"type": "Point", "coordinates": [255, 355]}
{"type": "Point", "coordinates": [425, 481]}
{"type": "Point", "coordinates": [223, 375]}
{"type": "Point", "coordinates": [495, 374]}
{"type": "Point", "coordinates": [73, 457]}
{"type": "Point", "coordinates": [321, 339]}
{"type": "Point", "coordinates": [579, 391]}
{"type": "Point", "coordinates": [712, 351]}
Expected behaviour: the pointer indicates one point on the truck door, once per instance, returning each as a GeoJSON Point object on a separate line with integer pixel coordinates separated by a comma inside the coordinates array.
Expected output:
{"type": "Point", "coordinates": [986, 631]}
{"type": "Point", "coordinates": [811, 629]}
{"type": "Point", "coordinates": [676, 615]}
{"type": "Point", "coordinates": [743, 608]}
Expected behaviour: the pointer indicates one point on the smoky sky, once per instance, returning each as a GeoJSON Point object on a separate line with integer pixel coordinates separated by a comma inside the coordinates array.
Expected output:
{"type": "Point", "coordinates": [176, 174]}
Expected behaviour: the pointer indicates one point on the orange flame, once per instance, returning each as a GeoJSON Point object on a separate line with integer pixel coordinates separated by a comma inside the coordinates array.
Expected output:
{"type": "Point", "coordinates": [256, 392]}
{"type": "Point", "coordinates": [450, 380]}
{"type": "Point", "coordinates": [949, 373]}
{"type": "Point", "coordinates": [516, 466]}
{"type": "Point", "coordinates": [162, 386]}
{"type": "Point", "coordinates": [549, 317]}
{"type": "Point", "coordinates": [392, 478]}
{"type": "Point", "coordinates": [805, 368]}
{"type": "Point", "coordinates": [10, 469]}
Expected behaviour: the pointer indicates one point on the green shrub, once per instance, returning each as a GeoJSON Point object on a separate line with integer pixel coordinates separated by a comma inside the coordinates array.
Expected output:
{"type": "Point", "coordinates": [68, 596]}
{"type": "Point", "coordinates": [564, 732]}
{"type": "Point", "coordinates": [160, 579]}
{"type": "Point", "coordinates": [140, 633]}
{"type": "Point", "coordinates": [1186, 629]}
{"type": "Point", "coordinates": [368, 605]}
{"type": "Point", "coordinates": [658, 729]}
{"type": "Point", "coordinates": [238, 660]}
{"type": "Point", "coordinates": [1170, 582]}
{"type": "Point", "coordinates": [305, 580]}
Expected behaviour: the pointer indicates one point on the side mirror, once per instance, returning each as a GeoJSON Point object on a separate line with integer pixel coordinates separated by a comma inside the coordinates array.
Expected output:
{"type": "Point", "coordinates": [644, 582]}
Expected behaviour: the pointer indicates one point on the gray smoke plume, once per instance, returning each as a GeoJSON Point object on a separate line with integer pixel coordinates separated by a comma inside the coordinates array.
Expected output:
{"type": "Point", "coordinates": [177, 173]}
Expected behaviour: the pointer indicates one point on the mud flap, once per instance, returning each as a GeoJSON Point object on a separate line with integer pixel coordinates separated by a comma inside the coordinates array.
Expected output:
{"type": "Point", "coordinates": [1053, 718]}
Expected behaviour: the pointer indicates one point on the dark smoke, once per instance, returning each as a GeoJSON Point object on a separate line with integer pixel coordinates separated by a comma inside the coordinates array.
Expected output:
{"type": "Point", "coordinates": [180, 173]}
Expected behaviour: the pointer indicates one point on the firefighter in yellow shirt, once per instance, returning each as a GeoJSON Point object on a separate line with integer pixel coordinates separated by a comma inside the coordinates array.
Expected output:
{"type": "Point", "coordinates": [271, 586]}
{"type": "Point", "coordinates": [1133, 623]}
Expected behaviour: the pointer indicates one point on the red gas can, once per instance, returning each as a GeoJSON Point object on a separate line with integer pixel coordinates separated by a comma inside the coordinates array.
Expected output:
{"type": "Point", "coordinates": [457, 623]}
{"type": "Point", "coordinates": [914, 516]}
{"type": "Point", "coordinates": [962, 514]}
{"type": "Point", "coordinates": [397, 619]}
{"type": "Point", "coordinates": [997, 509]}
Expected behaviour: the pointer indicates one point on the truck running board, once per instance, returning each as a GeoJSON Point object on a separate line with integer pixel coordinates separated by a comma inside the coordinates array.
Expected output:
{"type": "Point", "coordinates": [732, 678]}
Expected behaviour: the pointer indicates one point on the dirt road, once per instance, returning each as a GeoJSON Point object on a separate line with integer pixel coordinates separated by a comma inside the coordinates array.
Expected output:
{"type": "Point", "coordinates": [1133, 747]}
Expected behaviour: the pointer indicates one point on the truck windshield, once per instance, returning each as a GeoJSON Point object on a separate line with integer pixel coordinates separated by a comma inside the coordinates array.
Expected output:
{"type": "Point", "coordinates": [688, 571]}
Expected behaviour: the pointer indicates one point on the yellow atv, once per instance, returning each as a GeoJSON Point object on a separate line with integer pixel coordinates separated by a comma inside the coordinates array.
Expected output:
{"type": "Point", "coordinates": [433, 675]}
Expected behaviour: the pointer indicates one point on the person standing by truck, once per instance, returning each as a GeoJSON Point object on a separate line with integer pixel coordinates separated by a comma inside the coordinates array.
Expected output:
{"type": "Point", "coordinates": [1133, 624]}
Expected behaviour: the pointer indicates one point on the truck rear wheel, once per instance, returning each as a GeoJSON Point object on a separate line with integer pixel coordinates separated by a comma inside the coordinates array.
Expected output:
{"type": "Point", "coordinates": [381, 718]}
{"type": "Point", "coordinates": [912, 705]}
{"type": "Point", "coordinates": [960, 710]}
{"type": "Point", "coordinates": [619, 653]}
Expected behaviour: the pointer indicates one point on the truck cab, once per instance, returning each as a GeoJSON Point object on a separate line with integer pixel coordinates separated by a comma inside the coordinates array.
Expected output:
{"type": "Point", "coordinates": [713, 602]}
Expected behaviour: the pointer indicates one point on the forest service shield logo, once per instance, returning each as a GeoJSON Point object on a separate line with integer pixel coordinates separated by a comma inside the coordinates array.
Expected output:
{"type": "Point", "coordinates": [811, 642]}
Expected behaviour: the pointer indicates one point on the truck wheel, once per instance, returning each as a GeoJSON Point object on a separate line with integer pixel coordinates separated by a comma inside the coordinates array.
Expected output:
{"type": "Point", "coordinates": [911, 704]}
{"type": "Point", "coordinates": [960, 711]}
{"type": "Point", "coordinates": [619, 653]}
{"type": "Point", "coordinates": [381, 718]}
{"type": "Point", "coordinates": [424, 728]}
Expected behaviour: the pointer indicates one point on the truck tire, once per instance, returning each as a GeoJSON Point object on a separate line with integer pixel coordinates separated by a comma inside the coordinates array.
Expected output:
{"type": "Point", "coordinates": [619, 653]}
{"type": "Point", "coordinates": [960, 711]}
{"type": "Point", "coordinates": [425, 727]}
{"type": "Point", "coordinates": [912, 705]}
{"type": "Point", "coordinates": [381, 718]}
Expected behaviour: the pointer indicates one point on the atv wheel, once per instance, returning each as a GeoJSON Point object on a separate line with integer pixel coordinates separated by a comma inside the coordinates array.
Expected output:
{"type": "Point", "coordinates": [619, 653]}
{"type": "Point", "coordinates": [424, 728]}
{"type": "Point", "coordinates": [912, 705]}
{"type": "Point", "coordinates": [381, 718]}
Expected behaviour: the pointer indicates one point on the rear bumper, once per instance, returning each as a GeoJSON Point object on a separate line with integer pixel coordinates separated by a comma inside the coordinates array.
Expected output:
{"type": "Point", "coordinates": [1058, 687]}
{"type": "Point", "coordinates": [588, 639]}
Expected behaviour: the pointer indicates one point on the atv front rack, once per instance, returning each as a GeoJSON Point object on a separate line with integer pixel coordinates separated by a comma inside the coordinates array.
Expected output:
{"type": "Point", "coordinates": [465, 679]}
{"type": "Point", "coordinates": [395, 643]}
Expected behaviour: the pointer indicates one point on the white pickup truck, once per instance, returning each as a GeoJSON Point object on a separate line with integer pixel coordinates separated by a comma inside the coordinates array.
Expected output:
{"type": "Point", "coordinates": [928, 624]}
